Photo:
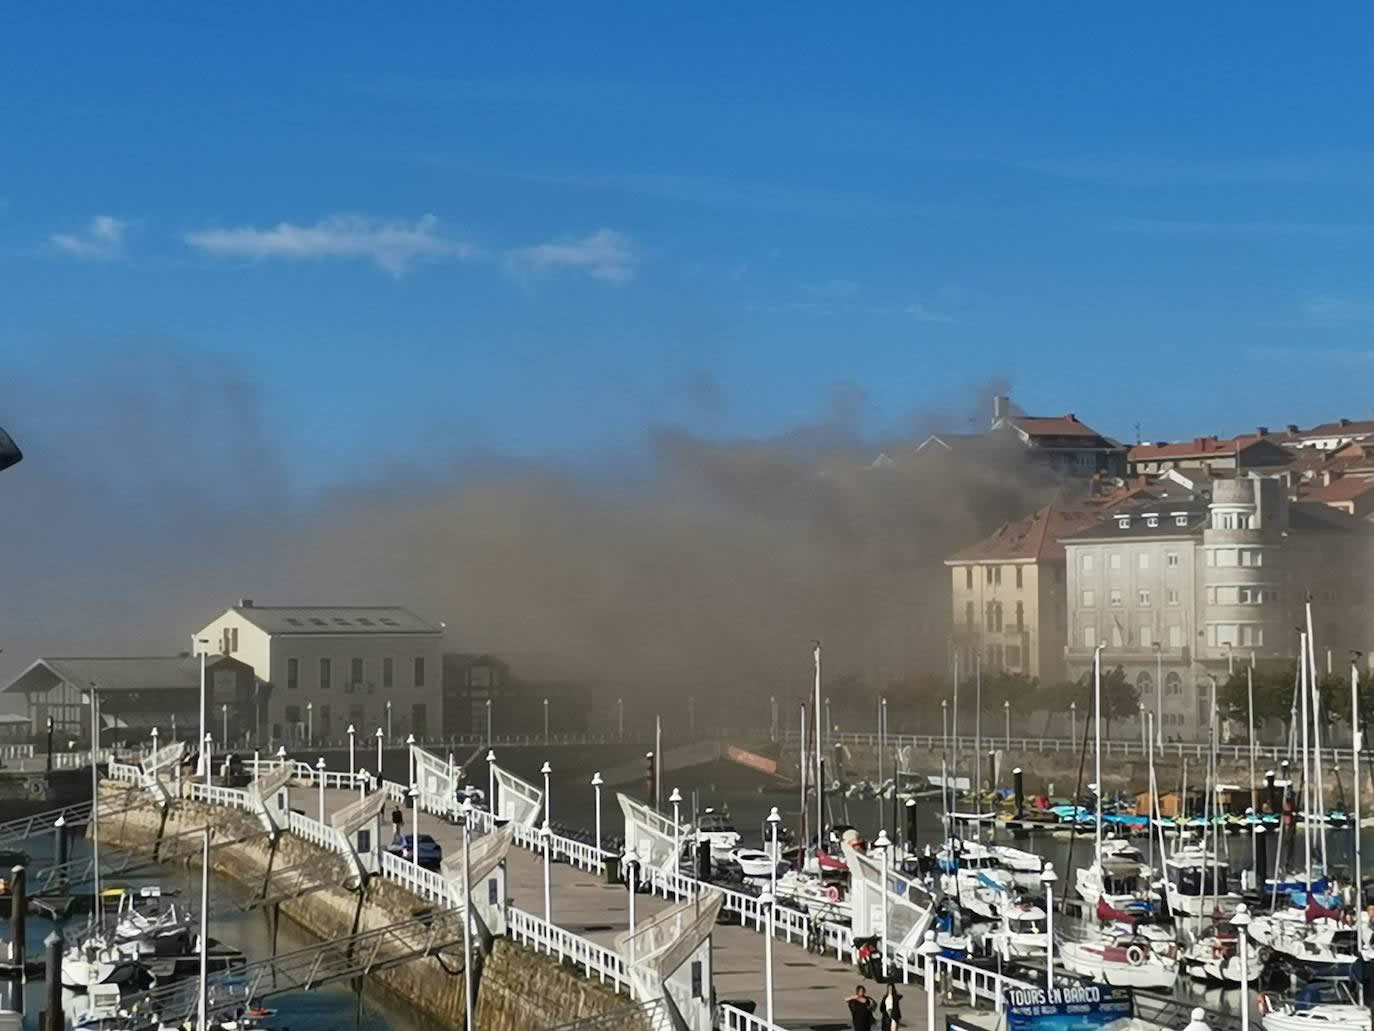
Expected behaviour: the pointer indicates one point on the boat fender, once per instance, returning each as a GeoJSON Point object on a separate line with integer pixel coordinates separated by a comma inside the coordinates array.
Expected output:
{"type": "Point", "coordinates": [1135, 955]}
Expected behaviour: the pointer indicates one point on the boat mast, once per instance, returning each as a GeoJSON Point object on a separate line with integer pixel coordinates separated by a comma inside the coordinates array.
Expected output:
{"type": "Point", "coordinates": [1317, 738]}
{"type": "Point", "coordinates": [1355, 735]}
{"type": "Point", "coordinates": [802, 764]}
{"type": "Point", "coordinates": [977, 763]}
{"type": "Point", "coordinates": [1306, 780]}
{"type": "Point", "coordinates": [1097, 743]}
{"type": "Point", "coordinates": [1250, 716]}
{"type": "Point", "coordinates": [820, 760]}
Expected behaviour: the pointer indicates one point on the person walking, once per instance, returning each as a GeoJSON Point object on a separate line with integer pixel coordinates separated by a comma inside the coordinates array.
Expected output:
{"type": "Point", "coordinates": [397, 819]}
{"type": "Point", "coordinates": [861, 1009]}
{"type": "Point", "coordinates": [890, 1009]}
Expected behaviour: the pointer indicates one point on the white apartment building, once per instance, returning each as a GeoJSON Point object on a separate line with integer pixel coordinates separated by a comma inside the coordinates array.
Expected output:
{"type": "Point", "coordinates": [331, 666]}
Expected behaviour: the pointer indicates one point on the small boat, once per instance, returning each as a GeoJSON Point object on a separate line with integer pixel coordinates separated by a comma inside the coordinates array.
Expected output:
{"type": "Point", "coordinates": [1215, 957]}
{"type": "Point", "coordinates": [1118, 876]}
{"type": "Point", "coordinates": [1316, 938]}
{"type": "Point", "coordinates": [717, 829]}
{"type": "Point", "coordinates": [823, 900]}
{"type": "Point", "coordinates": [1196, 883]}
{"type": "Point", "coordinates": [1021, 933]}
{"type": "Point", "coordinates": [754, 862]}
{"type": "Point", "coordinates": [1119, 956]}
{"type": "Point", "coordinates": [1320, 1006]}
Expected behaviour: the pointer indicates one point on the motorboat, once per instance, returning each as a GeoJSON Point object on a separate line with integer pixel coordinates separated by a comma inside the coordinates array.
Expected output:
{"type": "Point", "coordinates": [1317, 938]}
{"type": "Point", "coordinates": [1021, 934]}
{"type": "Point", "coordinates": [1120, 956]}
{"type": "Point", "coordinates": [972, 876]}
{"type": "Point", "coordinates": [823, 900]}
{"type": "Point", "coordinates": [1025, 867]}
{"type": "Point", "coordinates": [754, 862]}
{"type": "Point", "coordinates": [1328, 1006]}
{"type": "Point", "coordinates": [1214, 957]}
{"type": "Point", "coordinates": [717, 829]}
{"type": "Point", "coordinates": [1196, 883]}
{"type": "Point", "coordinates": [1118, 876]}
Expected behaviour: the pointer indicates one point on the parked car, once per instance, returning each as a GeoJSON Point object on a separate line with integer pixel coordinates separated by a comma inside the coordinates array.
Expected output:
{"type": "Point", "coordinates": [430, 852]}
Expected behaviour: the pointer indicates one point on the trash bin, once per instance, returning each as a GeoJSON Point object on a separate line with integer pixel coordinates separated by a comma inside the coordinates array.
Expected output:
{"type": "Point", "coordinates": [612, 869]}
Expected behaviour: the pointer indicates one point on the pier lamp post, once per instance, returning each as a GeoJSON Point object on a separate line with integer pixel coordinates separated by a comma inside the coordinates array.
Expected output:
{"type": "Point", "coordinates": [546, 769]}
{"type": "Point", "coordinates": [319, 772]}
{"type": "Point", "coordinates": [491, 785]}
{"type": "Point", "coordinates": [362, 783]}
{"type": "Point", "coordinates": [1241, 920]}
{"type": "Point", "coordinates": [773, 820]}
{"type": "Point", "coordinates": [203, 764]}
{"type": "Point", "coordinates": [414, 794]}
{"type": "Point", "coordinates": [410, 753]}
{"type": "Point", "coordinates": [388, 719]}
{"type": "Point", "coordinates": [467, 913]}
{"type": "Point", "coordinates": [379, 753]}
{"type": "Point", "coordinates": [596, 785]}
{"type": "Point", "coordinates": [154, 737]}
{"type": "Point", "coordinates": [1006, 715]}
{"type": "Point", "coordinates": [676, 799]}
{"type": "Point", "coordinates": [1073, 724]}
{"type": "Point", "coordinates": [1047, 878]}
{"type": "Point", "coordinates": [224, 723]}
{"type": "Point", "coordinates": [488, 722]}
{"type": "Point", "coordinates": [766, 901]}
{"type": "Point", "coordinates": [884, 844]}
{"type": "Point", "coordinates": [548, 861]}
{"type": "Point", "coordinates": [620, 717]}
{"type": "Point", "coordinates": [546, 721]}
{"type": "Point", "coordinates": [928, 951]}
{"type": "Point", "coordinates": [281, 755]}
{"type": "Point", "coordinates": [207, 749]}
{"type": "Point", "coordinates": [309, 723]}
{"type": "Point", "coordinates": [50, 727]}
{"type": "Point", "coordinates": [352, 770]}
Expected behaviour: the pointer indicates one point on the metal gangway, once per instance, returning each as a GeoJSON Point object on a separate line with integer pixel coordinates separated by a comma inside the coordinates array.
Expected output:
{"type": "Point", "coordinates": [77, 814]}
{"type": "Point", "coordinates": [170, 849]}
{"type": "Point", "coordinates": [340, 959]}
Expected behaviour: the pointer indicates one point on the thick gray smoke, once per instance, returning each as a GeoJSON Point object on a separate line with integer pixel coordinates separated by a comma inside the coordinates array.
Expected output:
{"type": "Point", "coordinates": [151, 497]}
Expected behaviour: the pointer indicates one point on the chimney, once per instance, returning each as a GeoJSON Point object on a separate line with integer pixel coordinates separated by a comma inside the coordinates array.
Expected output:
{"type": "Point", "coordinates": [1071, 417]}
{"type": "Point", "coordinates": [1345, 422]}
{"type": "Point", "coordinates": [1000, 403]}
{"type": "Point", "coordinates": [1199, 442]}
{"type": "Point", "coordinates": [1292, 427]}
{"type": "Point", "coordinates": [1261, 431]}
{"type": "Point", "coordinates": [245, 603]}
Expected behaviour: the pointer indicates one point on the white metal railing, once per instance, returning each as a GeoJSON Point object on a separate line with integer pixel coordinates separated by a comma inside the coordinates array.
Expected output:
{"type": "Point", "coordinates": [1123, 748]}
{"type": "Point", "coordinates": [313, 831]}
{"type": "Point", "coordinates": [305, 772]}
{"type": "Point", "coordinates": [126, 772]}
{"type": "Point", "coordinates": [577, 853]}
{"type": "Point", "coordinates": [730, 1018]}
{"type": "Point", "coordinates": [595, 961]}
{"type": "Point", "coordinates": [16, 751]}
{"type": "Point", "coordinates": [425, 883]}
{"type": "Point", "coordinates": [217, 794]}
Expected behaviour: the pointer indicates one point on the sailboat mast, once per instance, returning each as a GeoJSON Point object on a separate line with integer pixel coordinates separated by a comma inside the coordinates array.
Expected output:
{"type": "Point", "coordinates": [1250, 716]}
{"type": "Point", "coordinates": [1306, 780]}
{"type": "Point", "coordinates": [1097, 742]}
{"type": "Point", "coordinates": [802, 765]}
{"type": "Point", "coordinates": [1355, 735]}
{"type": "Point", "coordinates": [977, 763]}
{"type": "Point", "coordinates": [203, 992]}
{"type": "Point", "coordinates": [1317, 738]}
{"type": "Point", "coordinates": [820, 761]}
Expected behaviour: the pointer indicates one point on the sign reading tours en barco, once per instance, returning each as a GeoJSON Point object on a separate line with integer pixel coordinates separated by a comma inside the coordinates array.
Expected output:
{"type": "Point", "coordinates": [1067, 1008]}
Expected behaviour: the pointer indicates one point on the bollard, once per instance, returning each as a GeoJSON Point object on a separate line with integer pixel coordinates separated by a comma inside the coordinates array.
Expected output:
{"type": "Point", "coordinates": [19, 908]}
{"type": "Point", "coordinates": [911, 825]}
{"type": "Point", "coordinates": [1273, 791]}
{"type": "Point", "coordinates": [53, 1019]}
{"type": "Point", "coordinates": [1018, 783]}
{"type": "Point", "coordinates": [1261, 858]}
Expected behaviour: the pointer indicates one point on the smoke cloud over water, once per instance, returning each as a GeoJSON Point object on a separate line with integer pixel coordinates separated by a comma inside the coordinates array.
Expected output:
{"type": "Point", "coordinates": [708, 565]}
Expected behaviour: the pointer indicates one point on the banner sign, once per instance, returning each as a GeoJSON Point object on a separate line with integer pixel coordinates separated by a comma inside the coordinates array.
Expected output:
{"type": "Point", "coordinates": [1077, 1007]}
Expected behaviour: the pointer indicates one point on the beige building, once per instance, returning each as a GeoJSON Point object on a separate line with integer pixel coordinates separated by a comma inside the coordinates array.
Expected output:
{"type": "Point", "coordinates": [332, 666]}
{"type": "Point", "coordinates": [1008, 595]}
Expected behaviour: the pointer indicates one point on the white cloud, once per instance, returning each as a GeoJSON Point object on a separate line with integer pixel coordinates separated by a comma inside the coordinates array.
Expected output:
{"type": "Point", "coordinates": [605, 255]}
{"type": "Point", "coordinates": [924, 313]}
{"type": "Point", "coordinates": [393, 244]}
{"type": "Point", "coordinates": [102, 238]}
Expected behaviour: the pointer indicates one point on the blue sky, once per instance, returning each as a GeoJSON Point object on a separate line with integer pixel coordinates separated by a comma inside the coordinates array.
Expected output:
{"type": "Point", "coordinates": [539, 231]}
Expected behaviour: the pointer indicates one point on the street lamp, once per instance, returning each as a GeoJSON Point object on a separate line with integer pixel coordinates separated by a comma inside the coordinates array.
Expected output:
{"type": "Point", "coordinates": [488, 722]}
{"type": "Point", "coordinates": [676, 799]}
{"type": "Point", "coordinates": [773, 820]}
{"type": "Point", "coordinates": [620, 718]}
{"type": "Point", "coordinates": [548, 859]}
{"type": "Point", "coordinates": [203, 765]}
{"type": "Point", "coordinates": [928, 951]}
{"type": "Point", "coordinates": [309, 723]}
{"type": "Point", "coordinates": [766, 901]}
{"type": "Point", "coordinates": [1241, 920]}
{"type": "Point", "coordinates": [1047, 878]}
{"type": "Point", "coordinates": [467, 914]}
{"type": "Point", "coordinates": [379, 753]}
{"type": "Point", "coordinates": [351, 754]}
{"type": "Point", "coordinates": [546, 769]}
{"type": "Point", "coordinates": [1006, 714]}
{"type": "Point", "coordinates": [546, 721]}
{"type": "Point", "coordinates": [319, 768]}
{"type": "Point", "coordinates": [224, 723]}
{"type": "Point", "coordinates": [596, 783]}
{"type": "Point", "coordinates": [410, 752]}
{"type": "Point", "coordinates": [1144, 740]}
{"type": "Point", "coordinates": [415, 827]}
{"type": "Point", "coordinates": [884, 845]}
{"type": "Point", "coordinates": [50, 726]}
{"type": "Point", "coordinates": [944, 726]}
{"type": "Point", "coordinates": [1073, 724]}
{"type": "Point", "coordinates": [628, 860]}
{"type": "Point", "coordinates": [389, 735]}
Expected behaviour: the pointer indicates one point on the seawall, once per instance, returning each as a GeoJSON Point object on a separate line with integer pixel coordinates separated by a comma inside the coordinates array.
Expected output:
{"type": "Point", "coordinates": [519, 989]}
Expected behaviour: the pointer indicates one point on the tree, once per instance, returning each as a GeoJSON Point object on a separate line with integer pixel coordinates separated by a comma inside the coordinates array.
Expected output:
{"type": "Point", "coordinates": [1275, 693]}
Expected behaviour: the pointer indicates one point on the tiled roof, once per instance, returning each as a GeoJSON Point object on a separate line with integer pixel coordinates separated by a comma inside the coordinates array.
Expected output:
{"type": "Point", "coordinates": [1035, 537]}
{"type": "Point", "coordinates": [1195, 511]}
{"type": "Point", "coordinates": [334, 619]}
{"type": "Point", "coordinates": [1053, 426]}
{"type": "Point", "coordinates": [1347, 488]}
{"type": "Point", "coordinates": [1339, 428]}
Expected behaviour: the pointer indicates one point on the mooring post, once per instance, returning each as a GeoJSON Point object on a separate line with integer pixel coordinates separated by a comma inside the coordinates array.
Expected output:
{"type": "Point", "coordinates": [61, 850]}
{"type": "Point", "coordinates": [53, 1017]}
{"type": "Point", "coordinates": [19, 908]}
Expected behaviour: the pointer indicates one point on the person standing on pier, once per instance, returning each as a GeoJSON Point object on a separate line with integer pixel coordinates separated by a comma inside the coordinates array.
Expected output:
{"type": "Point", "coordinates": [396, 820]}
{"type": "Point", "coordinates": [890, 1009]}
{"type": "Point", "coordinates": [861, 1009]}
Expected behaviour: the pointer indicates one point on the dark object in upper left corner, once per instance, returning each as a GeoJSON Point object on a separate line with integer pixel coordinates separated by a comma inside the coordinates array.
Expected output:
{"type": "Point", "coordinates": [9, 451]}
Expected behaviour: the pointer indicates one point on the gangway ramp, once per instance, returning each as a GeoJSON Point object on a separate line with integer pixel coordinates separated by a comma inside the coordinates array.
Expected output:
{"type": "Point", "coordinates": [340, 959]}
{"type": "Point", "coordinates": [170, 849]}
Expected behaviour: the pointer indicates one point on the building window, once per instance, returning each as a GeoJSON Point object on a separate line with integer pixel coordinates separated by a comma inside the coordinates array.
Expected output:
{"type": "Point", "coordinates": [1173, 596]}
{"type": "Point", "coordinates": [1152, 521]}
{"type": "Point", "coordinates": [233, 639]}
{"type": "Point", "coordinates": [1171, 559]}
{"type": "Point", "coordinates": [292, 673]}
{"type": "Point", "coordinates": [1142, 598]}
{"type": "Point", "coordinates": [1251, 635]}
{"type": "Point", "coordinates": [1145, 637]}
{"type": "Point", "coordinates": [1090, 637]}
{"type": "Point", "coordinates": [968, 613]}
{"type": "Point", "coordinates": [1114, 598]}
{"type": "Point", "coordinates": [293, 714]}
{"type": "Point", "coordinates": [419, 671]}
{"type": "Point", "coordinates": [1013, 656]}
{"type": "Point", "coordinates": [1088, 563]}
{"type": "Point", "coordinates": [1226, 557]}
{"type": "Point", "coordinates": [1144, 683]}
{"type": "Point", "coordinates": [386, 672]}
{"type": "Point", "coordinates": [1219, 635]}
{"type": "Point", "coordinates": [1142, 560]}
{"type": "Point", "coordinates": [1020, 618]}
{"type": "Point", "coordinates": [1018, 578]}
{"type": "Point", "coordinates": [1089, 599]}
{"type": "Point", "coordinates": [1251, 557]}
{"type": "Point", "coordinates": [1176, 637]}
{"type": "Point", "coordinates": [968, 578]}
{"type": "Point", "coordinates": [1123, 522]}
{"type": "Point", "coordinates": [1173, 683]}
{"type": "Point", "coordinates": [997, 575]}
{"type": "Point", "coordinates": [988, 572]}
{"type": "Point", "coordinates": [355, 672]}
{"type": "Point", "coordinates": [324, 674]}
{"type": "Point", "coordinates": [1116, 560]}
{"type": "Point", "coordinates": [1180, 520]}
{"type": "Point", "coordinates": [1116, 635]}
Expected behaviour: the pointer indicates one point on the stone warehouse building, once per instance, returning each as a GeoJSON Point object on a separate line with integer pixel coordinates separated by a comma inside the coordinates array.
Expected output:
{"type": "Point", "coordinates": [331, 666]}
